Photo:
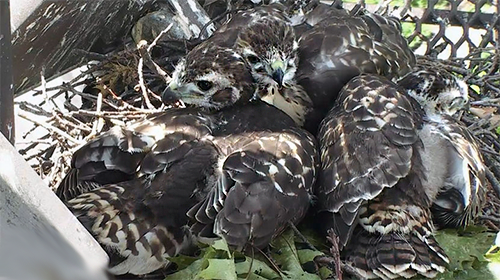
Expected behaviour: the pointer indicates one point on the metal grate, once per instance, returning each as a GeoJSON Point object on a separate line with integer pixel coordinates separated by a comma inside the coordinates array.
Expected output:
{"type": "Point", "coordinates": [444, 28]}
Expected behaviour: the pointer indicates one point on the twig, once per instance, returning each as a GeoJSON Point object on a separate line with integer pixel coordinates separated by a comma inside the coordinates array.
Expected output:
{"type": "Point", "coordinates": [143, 44]}
{"type": "Point", "coordinates": [96, 127]}
{"type": "Point", "coordinates": [335, 251]}
{"type": "Point", "coordinates": [301, 236]}
{"type": "Point", "coordinates": [493, 180]}
{"type": "Point", "coordinates": [50, 128]}
{"type": "Point", "coordinates": [145, 52]}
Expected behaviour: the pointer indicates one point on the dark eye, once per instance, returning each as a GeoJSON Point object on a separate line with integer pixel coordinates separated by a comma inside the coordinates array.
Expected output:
{"type": "Point", "coordinates": [204, 85]}
{"type": "Point", "coordinates": [253, 59]}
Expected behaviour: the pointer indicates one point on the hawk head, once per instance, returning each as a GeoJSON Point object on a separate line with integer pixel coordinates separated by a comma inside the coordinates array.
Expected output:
{"type": "Point", "coordinates": [211, 77]}
{"type": "Point", "coordinates": [437, 90]}
{"type": "Point", "coordinates": [270, 47]}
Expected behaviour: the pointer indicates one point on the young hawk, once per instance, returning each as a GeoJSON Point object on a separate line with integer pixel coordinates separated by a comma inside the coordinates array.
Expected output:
{"type": "Point", "coordinates": [390, 155]}
{"type": "Point", "coordinates": [455, 152]}
{"type": "Point", "coordinates": [266, 166]}
{"type": "Point", "coordinates": [143, 190]}
{"type": "Point", "coordinates": [334, 47]}
{"type": "Point", "coordinates": [265, 38]}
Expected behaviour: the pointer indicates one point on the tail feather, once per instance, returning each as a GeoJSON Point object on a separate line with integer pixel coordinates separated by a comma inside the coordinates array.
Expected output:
{"type": "Point", "coordinates": [404, 247]}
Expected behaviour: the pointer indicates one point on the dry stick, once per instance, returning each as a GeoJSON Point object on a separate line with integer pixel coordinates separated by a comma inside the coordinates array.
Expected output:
{"type": "Point", "coordinates": [124, 104]}
{"type": "Point", "coordinates": [69, 120]}
{"type": "Point", "coordinates": [301, 236]}
{"type": "Point", "coordinates": [50, 128]}
{"type": "Point", "coordinates": [144, 91]}
{"type": "Point", "coordinates": [144, 50]}
{"type": "Point", "coordinates": [99, 120]}
{"type": "Point", "coordinates": [114, 114]}
{"type": "Point", "coordinates": [41, 152]}
{"type": "Point", "coordinates": [491, 177]}
{"type": "Point", "coordinates": [148, 61]}
{"type": "Point", "coordinates": [32, 108]}
{"type": "Point", "coordinates": [334, 250]}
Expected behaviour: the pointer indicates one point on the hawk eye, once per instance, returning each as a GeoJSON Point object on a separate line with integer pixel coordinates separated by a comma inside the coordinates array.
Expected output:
{"type": "Point", "coordinates": [204, 85]}
{"type": "Point", "coordinates": [253, 59]}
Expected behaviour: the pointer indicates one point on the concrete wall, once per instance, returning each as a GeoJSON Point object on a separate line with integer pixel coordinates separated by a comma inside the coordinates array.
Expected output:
{"type": "Point", "coordinates": [40, 239]}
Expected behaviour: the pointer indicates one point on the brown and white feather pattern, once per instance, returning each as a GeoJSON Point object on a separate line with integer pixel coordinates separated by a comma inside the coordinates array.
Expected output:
{"type": "Point", "coordinates": [460, 197]}
{"type": "Point", "coordinates": [370, 181]}
{"type": "Point", "coordinates": [340, 47]}
{"type": "Point", "coordinates": [453, 159]}
{"type": "Point", "coordinates": [141, 220]}
{"type": "Point", "coordinates": [252, 164]}
{"type": "Point", "coordinates": [263, 181]}
{"type": "Point", "coordinates": [115, 155]}
{"type": "Point", "coordinates": [136, 243]}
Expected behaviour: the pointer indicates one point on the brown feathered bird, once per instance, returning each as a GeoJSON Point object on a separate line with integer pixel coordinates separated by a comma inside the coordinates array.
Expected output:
{"type": "Point", "coordinates": [371, 190]}
{"type": "Point", "coordinates": [154, 165]}
{"type": "Point", "coordinates": [142, 190]}
{"type": "Point", "coordinates": [267, 165]}
{"type": "Point", "coordinates": [459, 169]}
{"type": "Point", "coordinates": [334, 47]}
{"type": "Point", "coordinates": [393, 159]}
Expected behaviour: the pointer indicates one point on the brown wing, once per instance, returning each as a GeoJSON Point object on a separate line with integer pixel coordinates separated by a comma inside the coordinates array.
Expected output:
{"type": "Point", "coordinates": [114, 156]}
{"type": "Point", "coordinates": [340, 48]}
{"type": "Point", "coordinates": [371, 182]}
{"type": "Point", "coordinates": [141, 222]}
{"type": "Point", "coordinates": [367, 143]}
{"type": "Point", "coordinates": [267, 170]}
{"type": "Point", "coordinates": [263, 185]}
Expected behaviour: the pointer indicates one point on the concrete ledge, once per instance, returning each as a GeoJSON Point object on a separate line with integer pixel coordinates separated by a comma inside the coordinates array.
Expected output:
{"type": "Point", "coordinates": [40, 239]}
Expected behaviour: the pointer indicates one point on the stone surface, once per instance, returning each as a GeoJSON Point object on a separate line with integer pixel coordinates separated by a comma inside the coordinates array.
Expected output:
{"type": "Point", "coordinates": [39, 237]}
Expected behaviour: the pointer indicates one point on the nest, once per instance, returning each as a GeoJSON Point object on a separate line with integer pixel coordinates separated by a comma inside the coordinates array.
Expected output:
{"type": "Point", "coordinates": [126, 85]}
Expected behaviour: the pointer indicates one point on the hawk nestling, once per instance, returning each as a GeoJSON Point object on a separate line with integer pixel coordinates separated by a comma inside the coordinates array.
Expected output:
{"type": "Point", "coordinates": [371, 186]}
{"type": "Point", "coordinates": [266, 39]}
{"type": "Point", "coordinates": [335, 46]}
{"type": "Point", "coordinates": [141, 219]}
{"type": "Point", "coordinates": [189, 170]}
{"type": "Point", "coordinates": [266, 166]}
{"type": "Point", "coordinates": [455, 154]}
{"type": "Point", "coordinates": [392, 160]}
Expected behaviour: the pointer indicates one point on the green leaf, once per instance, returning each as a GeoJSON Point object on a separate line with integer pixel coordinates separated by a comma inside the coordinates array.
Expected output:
{"type": "Point", "coordinates": [255, 268]}
{"type": "Point", "coordinates": [189, 272]}
{"type": "Point", "coordinates": [464, 250]}
{"type": "Point", "coordinates": [182, 261]}
{"type": "Point", "coordinates": [221, 245]}
{"type": "Point", "coordinates": [286, 255]}
{"type": "Point", "coordinates": [466, 254]}
{"type": "Point", "coordinates": [307, 255]}
{"type": "Point", "coordinates": [219, 269]}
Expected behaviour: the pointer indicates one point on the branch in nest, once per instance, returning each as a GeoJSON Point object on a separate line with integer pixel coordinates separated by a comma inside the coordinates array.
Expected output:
{"type": "Point", "coordinates": [144, 50]}
{"type": "Point", "coordinates": [492, 173]}
{"type": "Point", "coordinates": [51, 128]}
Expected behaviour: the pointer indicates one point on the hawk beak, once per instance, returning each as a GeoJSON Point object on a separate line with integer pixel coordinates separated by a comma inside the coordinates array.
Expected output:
{"type": "Point", "coordinates": [170, 96]}
{"type": "Point", "coordinates": [278, 72]}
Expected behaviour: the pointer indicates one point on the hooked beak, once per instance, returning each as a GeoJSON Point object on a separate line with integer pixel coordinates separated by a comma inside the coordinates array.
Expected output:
{"type": "Point", "coordinates": [278, 71]}
{"type": "Point", "coordinates": [170, 95]}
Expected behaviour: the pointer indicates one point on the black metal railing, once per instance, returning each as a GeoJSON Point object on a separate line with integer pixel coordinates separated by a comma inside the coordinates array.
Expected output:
{"type": "Point", "coordinates": [6, 90]}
